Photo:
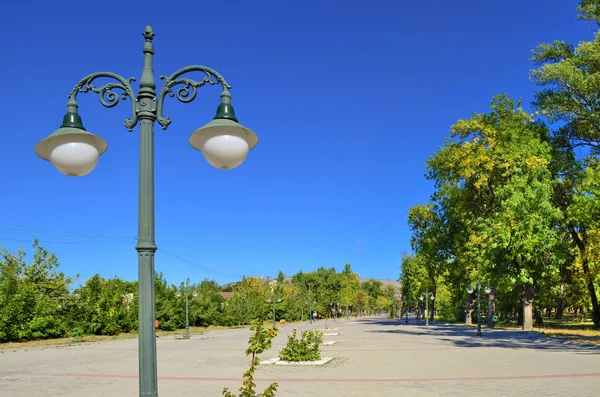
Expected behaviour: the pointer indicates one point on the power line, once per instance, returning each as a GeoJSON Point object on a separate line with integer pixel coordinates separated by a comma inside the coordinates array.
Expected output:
{"type": "Point", "coordinates": [194, 264]}
{"type": "Point", "coordinates": [30, 230]}
{"type": "Point", "coordinates": [67, 242]}
{"type": "Point", "coordinates": [71, 238]}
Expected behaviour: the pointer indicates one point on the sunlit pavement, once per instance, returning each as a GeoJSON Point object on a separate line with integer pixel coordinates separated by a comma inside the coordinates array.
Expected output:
{"type": "Point", "coordinates": [374, 357]}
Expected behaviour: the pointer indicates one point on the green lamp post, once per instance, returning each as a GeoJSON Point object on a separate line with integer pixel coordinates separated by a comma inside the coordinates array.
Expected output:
{"type": "Point", "coordinates": [487, 291]}
{"type": "Point", "coordinates": [310, 302]}
{"type": "Point", "coordinates": [424, 297]}
{"type": "Point", "coordinates": [74, 151]}
{"type": "Point", "coordinates": [187, 307]}
{"type": "Point", "coordinates": [274, 300]}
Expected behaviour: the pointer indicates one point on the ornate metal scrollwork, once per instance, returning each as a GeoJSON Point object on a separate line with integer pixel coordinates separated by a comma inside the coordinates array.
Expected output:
{"type": "Point", "coordinates": [188, 91]}
{"type": "Point", "coordinates": [108, 97]}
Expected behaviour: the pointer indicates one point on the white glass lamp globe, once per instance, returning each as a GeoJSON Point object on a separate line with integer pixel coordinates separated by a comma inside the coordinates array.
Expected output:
{"type": "Point", "coordinates": [432, 297]}
{"type": "Point", "coordinates": [72, 151]}
{"type": "Point", "coordinates": [178, 294]}
{"type": "Point", "coordinates": [74, 158]}
{"type": "Point", "coordinates": [470, 290]}
{"type": "Point", "coordinates": [488, 290]}
{"type": "Point", "coordinates": [224, 143]}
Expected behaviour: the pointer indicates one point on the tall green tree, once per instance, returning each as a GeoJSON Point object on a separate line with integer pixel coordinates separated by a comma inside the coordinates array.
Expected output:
{"type": "Point", "coordinates": [569, 78]}
{"type": "Point", "coordinates": [349, 285]}
{"type": "Point", "coordinates": [497, 164]}
{"type": "Point", "coordinates": [34, 297]}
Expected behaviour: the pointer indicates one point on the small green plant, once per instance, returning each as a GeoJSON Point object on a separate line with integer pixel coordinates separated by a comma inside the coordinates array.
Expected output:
{"type": "Point", "coordinates": [307, 348]}
{"type": "Point", "coordinates": [76, 332]}
{"type": "Point", "coordinates": [259, 341]}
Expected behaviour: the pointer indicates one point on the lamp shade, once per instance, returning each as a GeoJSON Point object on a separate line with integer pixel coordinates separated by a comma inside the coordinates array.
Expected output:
{"type": "Point", "coordinates": [488, 290]}
{"type": "Point", "coordinates": [470, 290]}
{"type": "Point", "coordinates": [224, 143]}
{"type": "Point", "coordinates": [73, 151]}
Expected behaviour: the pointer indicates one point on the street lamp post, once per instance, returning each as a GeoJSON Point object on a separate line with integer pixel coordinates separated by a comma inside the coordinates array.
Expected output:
{"type": "Point", "coordinates": [187, 317]}
{"type": "Point", "coordinates": [407, 308]}
{"type": "Point", "coordinates": [274, 300]}
{"type": "Point", "coordinates": [74, 151]}
{"type": "Point", "coordinates": [426, 295]}
{"type": "Point", "coordinates": [487, 291]}
{"type": "Point", "coordinates": [334, 304]}
{"type": "Point", "coordinates": [310, 300]}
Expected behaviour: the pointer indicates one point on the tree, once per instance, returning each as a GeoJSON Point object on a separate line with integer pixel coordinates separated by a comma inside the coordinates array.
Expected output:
{"type": "Point", "coordinates": [429, 240]}
{"type": "Point", "coordinates": [497, 164]}
{"type": "Point", "coordinates": [34, 298]}
{"type": "Point", "coordinates": [569, 98]}
{"type": "Point", "coordinates": [248, 303]}
{"type": "Point", "coordinates": [349, 286]}
{"type": "Point", "coordinates": [206, 308]}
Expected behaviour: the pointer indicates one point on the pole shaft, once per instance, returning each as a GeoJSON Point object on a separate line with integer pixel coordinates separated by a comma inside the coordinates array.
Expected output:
{"type": "Point", "coordinates": [310, 308]}
{"type": "Point", "coordinates": [479, 308]}
{"type": "Point", "coordinates": [187, 319]}
{"type": "Point", "coordinates": [427, 310]}
{"type": "Point", "coordinates": [146, 246]}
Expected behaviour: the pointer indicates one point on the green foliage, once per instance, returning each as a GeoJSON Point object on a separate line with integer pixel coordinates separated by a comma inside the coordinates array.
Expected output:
{"type": "Point", "coordinates": [34, 298]}
{"type": "Point", "coordinates": [569, 77]}
{"type": "Point", "coordinates": [37, 301]}
{"type": "Point", "coordinates": [249, 302]}
{"type": "Point", "coordinates": [589, 10]}
{"type": "Point", "coordinates": [259, 341]}
{"type": "Point", "coordinates": [307, 348]}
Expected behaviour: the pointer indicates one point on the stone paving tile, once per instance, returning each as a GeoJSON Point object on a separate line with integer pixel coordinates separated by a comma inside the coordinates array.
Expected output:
{"type": "Point", "coordinates": [374, 357]}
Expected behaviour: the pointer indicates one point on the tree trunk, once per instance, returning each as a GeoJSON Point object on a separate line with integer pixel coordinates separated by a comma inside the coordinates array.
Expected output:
{"type": "Point", "coordinates": [588, 278]}
{"type": "Point", "coordinates": [528, 308]}
{"type": "Point", "coordinates": [539, 318]}
{"type": "Point", "coordinates": [431, 314]}
{"type": "Point", "coordinates": [469, 311]}
{"type": "Point", "coordinates": [346, 312]}
{"type": "Point", "coordinates": [491, 309]}
{"type": "Point", "coordinates": [520, 318]}
{"type": "Point", "coordinates": [400, 307]}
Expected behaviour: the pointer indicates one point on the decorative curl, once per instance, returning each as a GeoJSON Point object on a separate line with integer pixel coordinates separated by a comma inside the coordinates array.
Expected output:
{"type": "Point", "coordinates": [188, 92]}
{"type": "Point", "coordinates": [109, 98]}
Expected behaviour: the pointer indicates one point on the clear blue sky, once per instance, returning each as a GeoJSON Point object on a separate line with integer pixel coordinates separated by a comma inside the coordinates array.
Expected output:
{"type": "Point", "coordinates": [348, 98]}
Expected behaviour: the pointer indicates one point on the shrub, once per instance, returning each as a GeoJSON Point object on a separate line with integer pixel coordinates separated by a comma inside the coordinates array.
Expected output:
{"type": "Point", "coordinates": [304, 349]}
{"type": "Point", "coordinates": [76, 332]}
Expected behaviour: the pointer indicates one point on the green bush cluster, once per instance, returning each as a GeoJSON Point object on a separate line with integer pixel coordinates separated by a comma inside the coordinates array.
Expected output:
{"type": "Point", "coordinates": [307, 348]}
{"type": "Point", "coordinates": [38, 302]}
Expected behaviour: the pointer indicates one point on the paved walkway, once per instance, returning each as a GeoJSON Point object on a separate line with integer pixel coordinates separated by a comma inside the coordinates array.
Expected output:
{"type": "Point", "coordinates": [375, 357]}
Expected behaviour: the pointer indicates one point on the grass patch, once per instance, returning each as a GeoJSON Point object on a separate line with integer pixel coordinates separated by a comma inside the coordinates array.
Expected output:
{"type": "Point", "coordinates": [575, 335]}
{"type": "Point", "coordinates": [63, 341]}
{"type": "Point", "coordinates": [101, 338]}
{"type": "Point", "coordinates": [575, 331]}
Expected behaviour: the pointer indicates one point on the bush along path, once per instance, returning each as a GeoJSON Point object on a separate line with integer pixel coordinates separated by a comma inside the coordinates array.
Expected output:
{"type": "Point", "coordinates": [305, 350]}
